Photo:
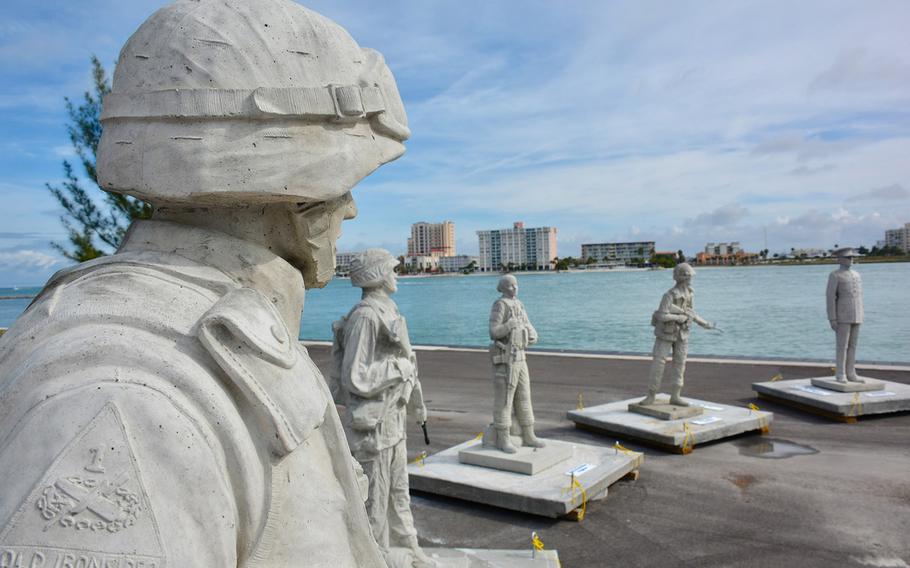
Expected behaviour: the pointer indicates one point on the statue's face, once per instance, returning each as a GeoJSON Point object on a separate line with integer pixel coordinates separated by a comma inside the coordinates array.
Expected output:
{"type": "Point", "coordinates": [390, 282]}
{"type": "Point", "coordinates": [318, 228]}
{"type": "Point", "coordinates": [686, 276]}
{"type": "Point", "coordinates": [845, 261]}
{"type": "Point", "coordinates": [509, 286]}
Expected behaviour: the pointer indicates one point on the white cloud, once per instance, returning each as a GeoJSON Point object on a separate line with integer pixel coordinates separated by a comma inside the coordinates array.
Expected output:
{"type": "Point", "coordinates": [31, 259]}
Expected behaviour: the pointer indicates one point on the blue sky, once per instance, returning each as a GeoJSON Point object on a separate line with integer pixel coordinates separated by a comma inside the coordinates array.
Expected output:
{"type": "Point", "coordinates": [670, 121]}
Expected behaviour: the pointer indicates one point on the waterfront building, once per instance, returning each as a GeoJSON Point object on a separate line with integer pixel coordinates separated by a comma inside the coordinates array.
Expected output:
{"type": "Point", "coordinates": [432, 239]}
{"type": "Point", "coordinates": [723, 248]}
{"type": "Point", "coordinates": [627, 253]}
{"type": "Point", "coordinates": [808, 253]}
{"type": "Point", "coordinates": [422, 263]}
{"type": "Point", "coordinates": [899, 238]}
{"type": "Point", "coordinates": [518, 248]}
{"type": "Point", "coordinates": [458, 262]}
{"type": "Point", "coordinates": [343, 262]}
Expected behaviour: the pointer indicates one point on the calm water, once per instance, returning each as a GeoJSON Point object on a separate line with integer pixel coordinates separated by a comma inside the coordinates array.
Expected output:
{"type": "Point", "coordinates": [769, 311]}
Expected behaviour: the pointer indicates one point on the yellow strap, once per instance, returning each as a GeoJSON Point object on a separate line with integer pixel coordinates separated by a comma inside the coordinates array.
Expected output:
{"type": "Point", "coordinates": [536, 542]}
{"type": "Point", "coordinates": [762, 420]}
{"type": "Point", "coordinates": [419, 459]}
{"type": "Point", "coordinates": [857, 407]}
{"type": "Point", "coordinates": [581, 403]}
{"type": "Point", "coordinates": [687, 440]}
{"type": "Point", "coordinates": [776, 377]}
{"type": "Point", "coordinates": [620, 448]}
{"type": "Point", "coordinates": [478, 436]}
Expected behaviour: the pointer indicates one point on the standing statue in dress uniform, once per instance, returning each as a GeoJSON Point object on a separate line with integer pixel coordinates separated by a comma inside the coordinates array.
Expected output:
{"type": "Point", "coordinates": [672, 323]}
{"type": "Point", "coordinates": [375, 378]}
{"type": "Point", "coordinates": [511, 333]}
{"type": "Point", "coordinates": [845, 313]}
{"type": "Point", "coordinates": [156, 407]}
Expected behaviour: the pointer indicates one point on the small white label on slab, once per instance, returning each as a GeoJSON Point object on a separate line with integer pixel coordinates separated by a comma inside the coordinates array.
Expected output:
{"type": "Point", "coordinates": [813, 390]}
{"type": "Point", "coordinates": [707, 406]}
{"type": "Point", "coordinates": [876, 394]}
{"type": "Point", "coordinates": [705, 420]}
{"type": "Point", "coordinates": [578, 470]}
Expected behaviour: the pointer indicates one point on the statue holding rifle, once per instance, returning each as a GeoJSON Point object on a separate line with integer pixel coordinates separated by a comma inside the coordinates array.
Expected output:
{"type": "Point", "coordinates": [375, 378]}
{"type": "Point", "coordinates": [511, 333]}
{"type": "Point", "coordinates": [672, 323]}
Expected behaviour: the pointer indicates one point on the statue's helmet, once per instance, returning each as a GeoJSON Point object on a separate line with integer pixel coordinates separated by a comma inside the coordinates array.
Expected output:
{"type": "Point", "coordinates": [246, 101]}
{"type": "Point", "coordinates": [371, 267]}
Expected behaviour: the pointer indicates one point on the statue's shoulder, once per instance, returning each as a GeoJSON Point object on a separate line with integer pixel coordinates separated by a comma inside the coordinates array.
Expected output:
{"type": "Point", "coordinates": [108, 471]}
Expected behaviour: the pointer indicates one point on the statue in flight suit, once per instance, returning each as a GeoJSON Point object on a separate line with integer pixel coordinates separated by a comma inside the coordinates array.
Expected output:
{"type": "Point", "coordinates": [844, 299]}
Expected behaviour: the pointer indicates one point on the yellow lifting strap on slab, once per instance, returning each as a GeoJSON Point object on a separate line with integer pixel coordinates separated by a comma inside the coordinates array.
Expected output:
{"type": "Point", "coordinates": [537, 545]}
{"type": "Point", "coordinates": [762, 420]}
{"type": "Point", "coordinates": [419, 459]}
{"type": "Point", "coordinates": [857, 407]}
{"type": "Point", "coordinates": [478, 436]}
{"type": "Point", "coordinates": [620, 448]}
{"type": "Point", "coordinates": [584, 496]}
{"type": "Point", "coordinates": [687, 444]}
{"type": "Point", "coordinates": [777, 377]}
{"type": "Point", "coordinates": [581, 403]}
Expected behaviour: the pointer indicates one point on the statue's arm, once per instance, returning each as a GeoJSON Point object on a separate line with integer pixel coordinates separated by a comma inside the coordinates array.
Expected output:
{"type": "Point", "coordinates": [162, 492]}
{"type": "Point", "coordinates": [665, 313]}
{"type": "Point", "coordinates": [365, 372]}
{"type": "Point", "coordinates": [831, 298]}
{"type": "Point", "coordinates": [499, 327]}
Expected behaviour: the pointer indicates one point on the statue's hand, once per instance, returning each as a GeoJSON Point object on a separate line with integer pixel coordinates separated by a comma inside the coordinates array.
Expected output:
{"type": "Point", "coordinates": [833, 324]}
{"type": "Point", "coordinates": [710, 325]}
{"type": "Point", "coordinates": [421, 414]}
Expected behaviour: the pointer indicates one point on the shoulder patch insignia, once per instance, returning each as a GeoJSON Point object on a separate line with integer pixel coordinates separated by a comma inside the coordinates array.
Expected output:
{"type": "Point", "coordinates": [89, 510]}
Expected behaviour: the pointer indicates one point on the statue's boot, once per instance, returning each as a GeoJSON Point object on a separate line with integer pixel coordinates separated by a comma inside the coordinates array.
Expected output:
{"type": "Point", "coordinates": [528, 438]}
{"type": "Point", "coordinates": [504, 441]}
{"type": "Point", "coordinates": [648, 400]}
{"type": "Point", "coordinates": [854, 378]}
{"type": "Point", "coordinates": [840, 378]}
{"type": "Point", "coordinates": [420, 558]}
{"type": "Point", "coordinates": [675, 397]}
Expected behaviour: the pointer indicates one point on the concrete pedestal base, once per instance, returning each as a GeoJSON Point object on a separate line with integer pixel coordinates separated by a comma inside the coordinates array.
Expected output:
{"type": "Point", "coordinates": [529, 461]}
{"type": "Point", "coordinates": [843, 406]}
{"type": "Point", "coordinates": [474, 558]}
{"type": "Point", "coordinates": [716, 422]}
{"type": "Point", "coordinates": [664, 410]}
{"type": "Point", "coordinates": [832, 383]}
{"type": "Point", "coordinates": [549, 493]}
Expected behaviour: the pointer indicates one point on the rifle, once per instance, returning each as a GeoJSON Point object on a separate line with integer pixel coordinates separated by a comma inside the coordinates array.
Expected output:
{"type": "Point", "coordinates": [677, 310]}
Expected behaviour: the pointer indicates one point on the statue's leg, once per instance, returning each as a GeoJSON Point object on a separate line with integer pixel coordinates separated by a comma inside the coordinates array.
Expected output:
{"type": "Point", "coordinates": [658, 363]}
{"type": "Point", "coordinates": [851, 354]}
{"type": "Point", "coordinates": [680, 352]}
{"type": "Point", "coordinates": [401, 523]}
{"type": "Point", "coordinates": [525, 409]}
{"type": "Point", "coordinates": [503, 393]}
{"type": "Point", "coordinates": [376, 467]}
{"type": "Point", "coordinates": [843, 336]}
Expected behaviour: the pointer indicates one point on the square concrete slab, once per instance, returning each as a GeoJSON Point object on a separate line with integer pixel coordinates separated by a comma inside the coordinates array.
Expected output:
{"type": "Point", "coordinates": [718, 421]}
{"type": "Point", "coordinates": [664, 410]}
{"type": "Point", "coordinates": [549, 493]}
{"type": "Point", "coordinates": [478, 558]}
{"type": "Point", "coordinates": [843, 406]}
{"type": "Point", "coordinates": [529, 461]}
{"type": "Point", "coordinates": [832, 383]}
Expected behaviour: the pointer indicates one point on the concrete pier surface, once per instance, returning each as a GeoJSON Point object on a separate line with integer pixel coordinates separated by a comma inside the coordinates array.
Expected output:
{"type": "Point", "coordinates": [812, 492]}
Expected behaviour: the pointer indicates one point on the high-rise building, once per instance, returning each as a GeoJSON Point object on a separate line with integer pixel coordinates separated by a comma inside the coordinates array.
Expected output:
{"type": "Point", "coordinates": [432, 239]}
{"type": "Point", "coordinates": [899, 238]}
{"type": "Point", "coordinates": [625, 252]}
{"type": "Point", "coordinates": [517, 248]}
{"type": "Point", "coordinates": [723, 248]}
{"type": "Point", "coordinates": [343, 262]}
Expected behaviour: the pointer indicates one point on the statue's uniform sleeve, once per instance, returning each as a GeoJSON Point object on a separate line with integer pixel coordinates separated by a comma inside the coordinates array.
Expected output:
{"type": "Point", "coordinates": [115, 474]}
{"type": "Point", "coordinates": [831, 296]}
{"type": "Point", "coordinates": [366, 370]}
{"type": "Point", "coordinates": [498, 318]}
{"type": "Point", "coordinates": [663, 312]}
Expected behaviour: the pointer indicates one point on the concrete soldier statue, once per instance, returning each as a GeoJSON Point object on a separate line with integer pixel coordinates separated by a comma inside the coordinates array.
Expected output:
{"type": "Point", "coordinates": [156, 408]}
{"type": "Point", "coordinates": [375, 379]}
{"type": "Point", "coordinates": [845, 313]}
{"type": "Point", "coordinates": [511, 333]}
{"type": "Point", "coordinates": [672, 322]}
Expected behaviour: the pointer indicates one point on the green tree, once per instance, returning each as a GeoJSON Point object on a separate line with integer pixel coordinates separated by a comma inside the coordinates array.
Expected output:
{"type": "Point", "coordinates": [92, 229]}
